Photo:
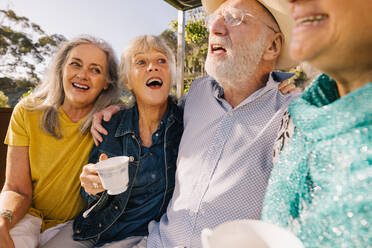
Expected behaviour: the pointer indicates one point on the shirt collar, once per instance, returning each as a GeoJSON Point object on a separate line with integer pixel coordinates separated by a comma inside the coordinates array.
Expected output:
{"type": "Point", "coordinates": [275, 77]}
{"type": "Point", "coordinates": [129, 119]}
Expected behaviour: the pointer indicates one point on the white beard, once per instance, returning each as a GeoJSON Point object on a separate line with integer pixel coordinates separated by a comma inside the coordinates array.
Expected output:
{"type": "Point", "coordinates": [240, 62]}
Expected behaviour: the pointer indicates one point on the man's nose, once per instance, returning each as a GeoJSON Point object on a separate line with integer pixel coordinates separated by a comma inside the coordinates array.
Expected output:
{"type": "Point", "coordinates": [218, 26]}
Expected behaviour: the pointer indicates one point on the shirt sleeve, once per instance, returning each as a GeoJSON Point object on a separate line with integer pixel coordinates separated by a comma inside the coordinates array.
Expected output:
{"type": "Point", "coordinates": [17, 134]}
{"type": "Point", "coordinates": [181, 101]}
{"type": "Point", "coordinates": [343, 217]}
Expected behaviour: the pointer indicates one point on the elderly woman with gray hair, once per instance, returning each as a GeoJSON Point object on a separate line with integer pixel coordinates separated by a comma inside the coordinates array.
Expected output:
{"type": "Point", "coordinates": [49, 142]}
{"type": "Point", "coordinates": [148, 132]}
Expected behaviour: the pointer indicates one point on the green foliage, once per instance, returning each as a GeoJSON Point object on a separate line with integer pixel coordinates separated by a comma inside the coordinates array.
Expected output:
{"type": "Point", "coordinates": [170, 39]}
{"type": "Point", "coordinates": [196, 44]}
{"type": "Point", "coordinates": [13, 84]}
{"type": "Point", "coordinates": [187, 85]}
{"type": "Point", "coordinates": [299, 78]}
{"type": "Point", "coordinates": [24, 44]}
{"type": "Point", "coordinates": [3, 100]}
{"type": "Point", "coordinates": [28, 92]}
{"type": "Point", "coordinates": [25, 50]}
{"type": "Point", "coordinates": [195, 29]}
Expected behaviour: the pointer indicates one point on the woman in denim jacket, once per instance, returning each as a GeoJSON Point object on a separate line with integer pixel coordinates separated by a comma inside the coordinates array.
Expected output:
{"type": "Point", "coordinates": [149, 134]}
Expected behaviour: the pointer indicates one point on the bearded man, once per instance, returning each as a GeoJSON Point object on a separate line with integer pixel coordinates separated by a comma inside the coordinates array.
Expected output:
{"type": "Point", "coordinates": [231, 120]}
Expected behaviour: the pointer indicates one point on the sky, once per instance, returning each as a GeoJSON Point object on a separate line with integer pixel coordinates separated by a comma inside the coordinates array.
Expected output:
{"type": "Point", "coordinates": [116, 21]}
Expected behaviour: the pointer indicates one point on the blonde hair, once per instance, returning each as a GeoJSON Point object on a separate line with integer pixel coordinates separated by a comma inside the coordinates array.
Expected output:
{"type": "Point", "coordinates": [49, 95]}
{"type": "Point", "coordinates": [144, 43]}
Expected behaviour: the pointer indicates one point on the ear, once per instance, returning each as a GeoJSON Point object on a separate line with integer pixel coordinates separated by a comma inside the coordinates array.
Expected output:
{"type": "Point", "coordinates": [128, 85]}
{"type": "Point", "coordinates": [273, 50]}
{"type": "Point", "coordinates": [106, 86]}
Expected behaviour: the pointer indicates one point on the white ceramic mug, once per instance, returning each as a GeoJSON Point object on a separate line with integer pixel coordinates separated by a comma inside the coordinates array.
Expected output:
{"type": "Point", "coordinates": [114, 174]}
{"type": "Point", "coordinates": [249, 234]}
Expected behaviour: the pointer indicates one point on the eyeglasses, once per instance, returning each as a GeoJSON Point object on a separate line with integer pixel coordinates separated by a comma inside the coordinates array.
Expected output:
{"type": "Point", "coordinates": [233, 17]}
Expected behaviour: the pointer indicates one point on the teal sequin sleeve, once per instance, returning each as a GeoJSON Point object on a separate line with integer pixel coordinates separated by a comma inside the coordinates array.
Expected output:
{"type": "Point", "coordinates": [320, 187]}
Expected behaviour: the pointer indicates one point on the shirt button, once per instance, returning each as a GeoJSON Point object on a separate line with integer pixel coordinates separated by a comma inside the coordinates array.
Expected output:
{"type": "Point", "coordinates": [156, 134]}
{"type": "Point", "coordinates": [133, 136]}
{"type": "Point", "coordinates": [116, 207]}
{"type": "Point", "coordinates": [78, 231]}
{"type": "Point", "coordinates": [99, 225]}
{"type": "Point", "coordinates": [131, 159]}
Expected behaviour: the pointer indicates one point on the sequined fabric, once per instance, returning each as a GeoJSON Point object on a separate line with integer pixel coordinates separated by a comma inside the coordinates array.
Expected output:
{"type": "Point", "coordinates": [321, 187]}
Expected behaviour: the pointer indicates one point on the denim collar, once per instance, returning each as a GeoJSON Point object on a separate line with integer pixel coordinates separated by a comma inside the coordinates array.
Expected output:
{"type": "Point", "coordinates": [129, 118]}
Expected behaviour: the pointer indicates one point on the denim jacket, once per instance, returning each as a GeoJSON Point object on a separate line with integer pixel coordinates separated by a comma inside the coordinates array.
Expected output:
{"type": "Point", "coordinates": [105, 211]}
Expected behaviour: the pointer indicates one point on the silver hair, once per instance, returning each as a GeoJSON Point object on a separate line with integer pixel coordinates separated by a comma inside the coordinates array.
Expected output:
{"type": "Point", "coordinates": [144, 43]}
{"type": "Point", "coordinates": [49, 95]}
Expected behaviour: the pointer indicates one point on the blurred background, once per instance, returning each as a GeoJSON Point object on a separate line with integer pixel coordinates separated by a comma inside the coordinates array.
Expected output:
{"type": "Point", "coordinates": [31, 30]}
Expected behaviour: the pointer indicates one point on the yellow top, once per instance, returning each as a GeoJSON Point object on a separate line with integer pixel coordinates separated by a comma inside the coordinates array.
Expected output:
{"type": "Point", "coordinates": [55, 164]}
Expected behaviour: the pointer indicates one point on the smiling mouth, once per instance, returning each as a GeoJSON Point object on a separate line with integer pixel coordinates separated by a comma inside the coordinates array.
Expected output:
{"type": "Point", "coordinates": [154, 83]}
{"type": "Point", "coordinates": [80, 86]}
{"type": "Point", "coordinates": [311, 20]}
{"type": "Point", "coordinates": [218, 49]}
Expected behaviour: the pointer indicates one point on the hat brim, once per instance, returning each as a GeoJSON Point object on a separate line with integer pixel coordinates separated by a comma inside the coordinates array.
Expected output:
{"type": "Point", "coordinates": [280, 10]}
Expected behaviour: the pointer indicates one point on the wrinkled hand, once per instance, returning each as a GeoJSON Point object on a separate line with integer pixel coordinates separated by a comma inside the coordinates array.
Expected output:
{"type": "Point", "coordinates": [287, 87]}
{"type": "Point", "coordinates": [105, 114]}
{"type": "Point", "coordinates": [5, 239]}
{"type": "Point", "coordinates": [89, 178]}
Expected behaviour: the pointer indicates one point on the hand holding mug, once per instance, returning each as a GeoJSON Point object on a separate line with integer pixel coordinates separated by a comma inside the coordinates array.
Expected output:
{"type": "Point", "coordinates": [89, 178]}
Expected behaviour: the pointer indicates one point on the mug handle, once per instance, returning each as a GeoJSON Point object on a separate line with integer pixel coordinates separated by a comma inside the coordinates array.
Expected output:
{"type": "Point", "coordinates": [205, 235]}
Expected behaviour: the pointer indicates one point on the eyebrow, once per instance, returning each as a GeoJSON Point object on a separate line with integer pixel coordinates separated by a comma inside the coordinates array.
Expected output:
{"type": "Point", "coordinates": [138, 56]}
{"type": "Point", "coordinates": [144, 54]}
{"type": "Point", "coordinates": [94, 64]}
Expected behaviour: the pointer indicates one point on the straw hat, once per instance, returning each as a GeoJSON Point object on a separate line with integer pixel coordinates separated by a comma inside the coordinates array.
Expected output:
{"type": "Point", "coordinates": [280, 10]}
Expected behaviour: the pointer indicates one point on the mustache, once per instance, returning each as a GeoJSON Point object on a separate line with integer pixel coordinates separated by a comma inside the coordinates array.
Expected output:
{"type": "Point", "coordinates": [223, 41]}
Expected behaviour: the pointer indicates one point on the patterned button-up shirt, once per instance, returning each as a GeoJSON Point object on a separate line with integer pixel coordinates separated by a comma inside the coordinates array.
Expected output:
{"type": "Point", "coordinates": [224, 161]}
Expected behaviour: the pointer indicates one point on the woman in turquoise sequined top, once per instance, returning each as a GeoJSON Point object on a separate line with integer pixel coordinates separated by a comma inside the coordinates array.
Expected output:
{"type": "Point", "coordinates": [320, 186]}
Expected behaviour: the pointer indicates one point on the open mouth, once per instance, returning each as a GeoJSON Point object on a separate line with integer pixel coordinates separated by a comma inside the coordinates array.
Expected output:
{"type": "Point", "coordinates": [218, 49]}
{"type": "Point", "coordinates": [154, 83]}
{"type": "Point", "coordinates": [80, 86]}
{"type": "Point", "coordinates": [311, 20]}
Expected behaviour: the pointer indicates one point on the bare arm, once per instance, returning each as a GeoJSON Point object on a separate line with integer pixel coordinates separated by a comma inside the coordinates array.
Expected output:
{"type": "Point", "coordinates": [97, 129]}
{"type": "Point", "coordinates": [16, 194]}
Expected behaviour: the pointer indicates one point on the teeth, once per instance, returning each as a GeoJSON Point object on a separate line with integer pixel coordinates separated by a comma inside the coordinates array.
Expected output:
{"type": "Point", "coordinates": [80, 86]}
{"type": "Point", "coordinates": [154, 80]}
{"type": "Point", "coordinates": [215, 47]}
{"type": "Point", "coordinates": [311, 19]}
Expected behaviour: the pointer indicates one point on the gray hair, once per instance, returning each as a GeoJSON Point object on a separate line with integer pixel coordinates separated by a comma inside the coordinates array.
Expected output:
{"type": "Point", "coordinates": [144, 43]}
{"type": "Point", "coordinates": [49, 95]}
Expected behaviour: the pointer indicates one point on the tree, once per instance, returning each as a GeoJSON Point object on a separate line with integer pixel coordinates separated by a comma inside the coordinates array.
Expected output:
{"type": "Point", "coordinates": [3, 100]}
{"type": "Point", "coordinates": [25, 50]}
{"type": "Point", "coordinates": [196, 47]}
